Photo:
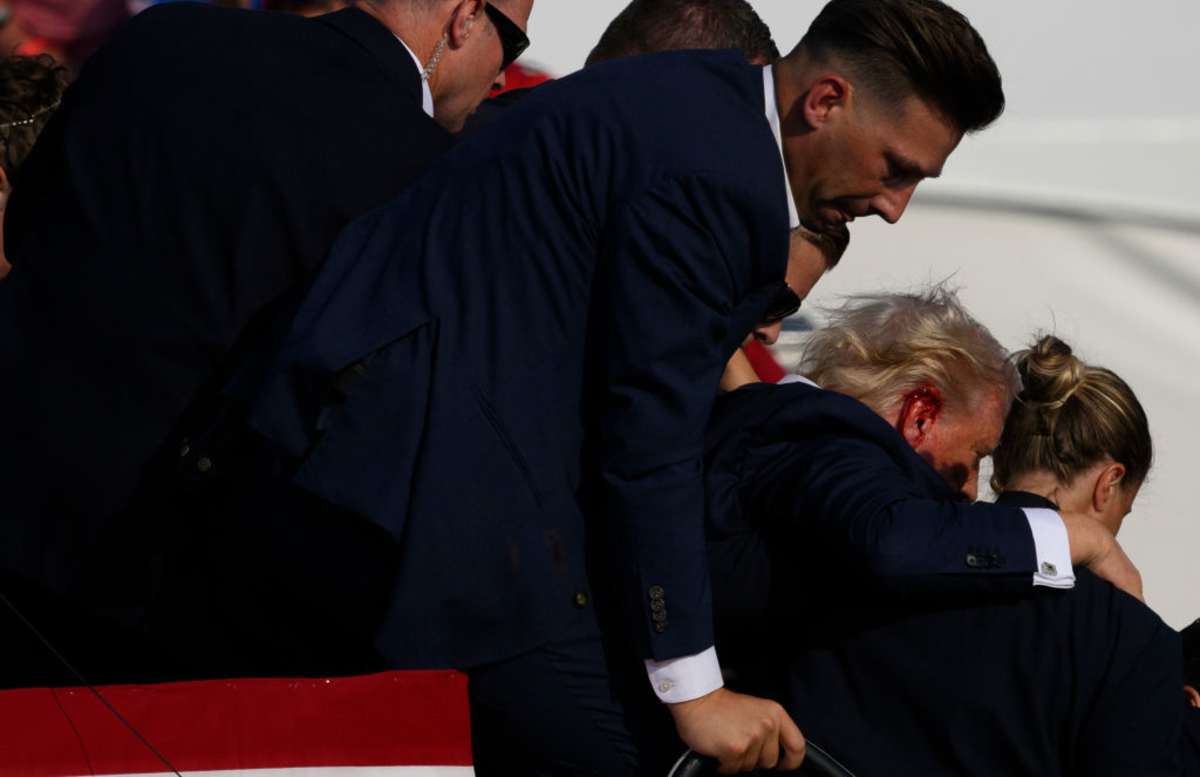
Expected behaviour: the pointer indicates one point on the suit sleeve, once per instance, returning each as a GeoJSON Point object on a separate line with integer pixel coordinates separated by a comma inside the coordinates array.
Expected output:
{"type": "Point", "coordinates": [1135, 722]}
{"type": "Point", "coordinates": [853, 498]}
{"type": "Point", "coordinates": [676, 263]}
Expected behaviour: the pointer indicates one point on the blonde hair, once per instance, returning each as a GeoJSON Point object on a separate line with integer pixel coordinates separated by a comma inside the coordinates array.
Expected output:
{"type": "Point", "coordinates": [1068, 417]}
{"type": "Point", "coordinates": [878, 348]}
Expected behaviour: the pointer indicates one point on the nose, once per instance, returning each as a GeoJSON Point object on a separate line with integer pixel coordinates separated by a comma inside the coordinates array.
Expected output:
{"type": "Point", "coordinates": [768, 334]}
{"type": "Point", "coordinates": [890, 205]}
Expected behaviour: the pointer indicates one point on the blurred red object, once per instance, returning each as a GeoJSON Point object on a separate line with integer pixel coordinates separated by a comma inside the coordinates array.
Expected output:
{"type": "Point", "coordinates": [68, 28]}
{"type": "Point", "coordinates": [401, 723]}
{"type": "Point", "coordinates": [518, 76]}
{"type": "Point", "coordinates": [763, 362]}
{"type": "Point", "coordinates": [31, 47]}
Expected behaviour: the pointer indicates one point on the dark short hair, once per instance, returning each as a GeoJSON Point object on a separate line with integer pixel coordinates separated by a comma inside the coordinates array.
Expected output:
{"type": "Point", "coordinates": [897, 48]}
{"type": "Point", "coordinates": [647, 26]}
{"type": "Point", "coordinates": [30, 88]}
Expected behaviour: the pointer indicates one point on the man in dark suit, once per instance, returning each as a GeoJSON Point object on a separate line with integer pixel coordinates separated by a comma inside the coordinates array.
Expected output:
{"type": "Point", "coordinates": [540, 324]}
{"type": "Point", "coordinates": [199, 168]}
{"type": "Point", "coordinates": [895, 619]}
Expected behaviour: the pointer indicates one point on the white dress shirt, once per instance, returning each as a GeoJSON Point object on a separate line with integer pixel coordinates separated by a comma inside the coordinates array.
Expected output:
{"type": "Point", "coordinates": [426, 93]}
{"type": "Point", "coordinates": [776, 127]}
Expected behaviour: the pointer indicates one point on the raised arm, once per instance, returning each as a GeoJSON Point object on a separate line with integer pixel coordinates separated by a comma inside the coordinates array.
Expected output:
{"type": "Point", "coordinates": [887, 514]}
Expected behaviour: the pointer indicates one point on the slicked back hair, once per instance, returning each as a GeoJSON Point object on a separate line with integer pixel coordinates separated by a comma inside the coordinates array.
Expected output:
{"type": "Point", "coordinates": [898, 48]}
{"type": "Point", "coordinates": [647, 26]}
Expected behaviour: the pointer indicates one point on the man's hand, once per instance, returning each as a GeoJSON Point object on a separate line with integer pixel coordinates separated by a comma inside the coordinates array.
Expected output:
{"type": "Point", "coordinates": [743, 733]}
{"type": "Point", "coordinates": [1094, 546]}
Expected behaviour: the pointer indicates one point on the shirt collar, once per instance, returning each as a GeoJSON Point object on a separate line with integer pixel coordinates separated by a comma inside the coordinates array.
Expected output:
{"type": "Point", "coordinates": [793, 377]}
{"type": "Point", "coordinates": [772, 108]}
{"type": "Point", "coordinates": [426, 92]}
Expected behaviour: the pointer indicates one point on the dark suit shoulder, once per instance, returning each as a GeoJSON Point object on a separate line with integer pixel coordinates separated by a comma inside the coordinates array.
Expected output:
{"type": "Point", "coordinates": [176, 44]}
{"type": "Point", "coordinates": [764, 414]}
{"type": "Point", "coordinates": [649, 117]}
{"type": "Point", "coordinates": [1100, 610]}
{"type": "Point", "coordinates": [763, 438]}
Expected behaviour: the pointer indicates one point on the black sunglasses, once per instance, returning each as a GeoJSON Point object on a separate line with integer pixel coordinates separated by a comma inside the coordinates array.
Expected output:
{"type": "Point", "coordinates": [785, 302]}
{"type": "Point", "coordinates": [513, 39]}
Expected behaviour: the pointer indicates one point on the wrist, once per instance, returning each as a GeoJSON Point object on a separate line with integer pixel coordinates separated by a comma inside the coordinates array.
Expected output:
{"type": "Point", "coordinates": [680, 708]}
{"type": "Point", "coordinates": [1087, 538]}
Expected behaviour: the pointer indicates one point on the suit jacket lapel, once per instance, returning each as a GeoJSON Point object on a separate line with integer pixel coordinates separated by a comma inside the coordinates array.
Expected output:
{"type": "Point", "coordinates": [388, 52]}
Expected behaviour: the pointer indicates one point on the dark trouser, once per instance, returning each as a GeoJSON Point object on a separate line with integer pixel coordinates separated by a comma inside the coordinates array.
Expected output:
{"type": "Point", "coordinates": [100, 649]}
{"type": "Point", "coordinates": [556, 711]}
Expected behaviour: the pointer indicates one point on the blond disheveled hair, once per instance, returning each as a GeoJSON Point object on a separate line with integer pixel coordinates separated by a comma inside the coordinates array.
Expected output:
{"type": "Point", "coordinates": [878, 348]}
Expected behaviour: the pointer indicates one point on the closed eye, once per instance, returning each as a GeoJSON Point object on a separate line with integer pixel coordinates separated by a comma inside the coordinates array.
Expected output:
{"type": "Point", "coordinates": [901, 171]}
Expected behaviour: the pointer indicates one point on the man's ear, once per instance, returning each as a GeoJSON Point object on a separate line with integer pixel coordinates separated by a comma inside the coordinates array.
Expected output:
{"type": "Point", "coordinates": [826, 95]}
{"type": "Point", "coordinates": [464, 21]}
{"type": "Point", "coordinates": [918, 414]}
{"type": "Point", "coordinates": [1108, 486]}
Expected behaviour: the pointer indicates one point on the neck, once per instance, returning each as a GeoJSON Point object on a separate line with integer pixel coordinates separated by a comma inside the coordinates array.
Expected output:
{"type": "Point", "coordinates": [417, 29]}
{"type": "Point", "coordinates": [790, 87]}
{"type": "Point", "coordinates": [1041, 483]}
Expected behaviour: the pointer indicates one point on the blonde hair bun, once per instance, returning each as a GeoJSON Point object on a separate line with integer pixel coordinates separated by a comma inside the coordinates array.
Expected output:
{"type": "Point", "coordinates": [1050, 373]}
{"type": "Point", "coordinates": [1068, 416]}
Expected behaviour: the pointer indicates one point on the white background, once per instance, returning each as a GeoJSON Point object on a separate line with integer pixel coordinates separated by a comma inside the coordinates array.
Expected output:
{"type": "Point", "coordinates": [1078, 213]}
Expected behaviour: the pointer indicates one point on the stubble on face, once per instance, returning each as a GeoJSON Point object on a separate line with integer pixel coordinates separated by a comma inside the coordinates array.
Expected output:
{"type": "Point", "coordinates": [870, 158]}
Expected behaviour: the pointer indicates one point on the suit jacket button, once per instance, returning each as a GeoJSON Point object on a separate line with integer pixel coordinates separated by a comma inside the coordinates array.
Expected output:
{"type": "Point", "coordinates": [660, 627]}
{"type": "Point", "coordinates": [656, 592]}
{"type": "Point", "coordinates": [184, 449]}
{"type": "Point", "coordinates": [204, 464]}
{"type": "Point", "coordinates": [581, 599]}
{"type": "Point", "coordinates": [973, 560]}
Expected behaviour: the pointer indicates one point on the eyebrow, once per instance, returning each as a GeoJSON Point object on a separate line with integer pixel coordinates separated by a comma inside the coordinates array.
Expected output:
{"type": "Point", "coordinates": [910, 166]}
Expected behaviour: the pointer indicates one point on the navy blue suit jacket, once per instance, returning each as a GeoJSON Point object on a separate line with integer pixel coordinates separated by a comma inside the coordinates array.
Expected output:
{"type": "Point", "coordinates": [202, 164]}
{"type": "Point", "coordinates": [781, 456]}
{"type": "Point", "coordinates": [546, 312]}
{"type": "Point", "coordinates": [887, 647]}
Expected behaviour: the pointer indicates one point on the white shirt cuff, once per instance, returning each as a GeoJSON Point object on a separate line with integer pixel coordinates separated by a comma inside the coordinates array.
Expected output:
{"type": "Point", "coordinates": [1052, 548]}
{"type": "Point", "coordinates": [683, 679]}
